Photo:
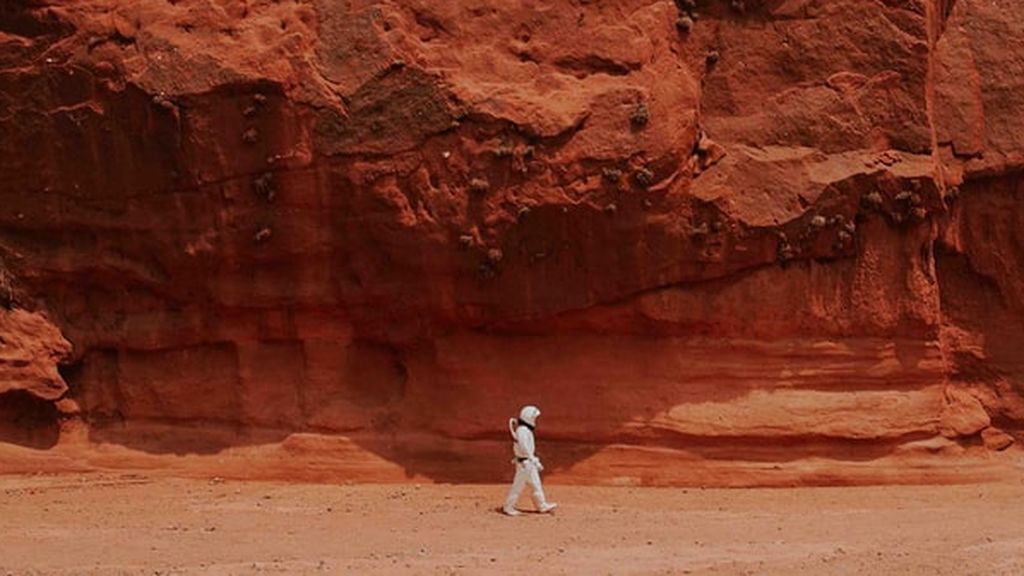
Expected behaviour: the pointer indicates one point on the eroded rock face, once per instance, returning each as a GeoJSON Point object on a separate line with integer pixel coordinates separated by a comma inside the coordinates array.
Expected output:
{"type": "Point", "coordinates": [715, 245]}
{"type": "Point", "coordinates": [30, 385]}
{"type": "Point", "coordinates": [30, 349]}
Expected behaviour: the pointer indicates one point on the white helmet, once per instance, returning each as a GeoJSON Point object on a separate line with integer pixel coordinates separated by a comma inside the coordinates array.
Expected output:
{"type": "Point", "coordinates": [529, 415]}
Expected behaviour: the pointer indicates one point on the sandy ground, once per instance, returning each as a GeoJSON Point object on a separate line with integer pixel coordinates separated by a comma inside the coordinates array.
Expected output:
{"type": "Point", "coordinates": [138, 524]}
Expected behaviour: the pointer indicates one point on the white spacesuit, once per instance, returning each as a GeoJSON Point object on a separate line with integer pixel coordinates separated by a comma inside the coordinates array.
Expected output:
{"type": "Point", "coordinates": [527, 463]}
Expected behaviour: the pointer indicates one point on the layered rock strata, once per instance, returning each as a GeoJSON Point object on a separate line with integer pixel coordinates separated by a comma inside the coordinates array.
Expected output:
{"type": "Point", "coordinates": [728, 243]}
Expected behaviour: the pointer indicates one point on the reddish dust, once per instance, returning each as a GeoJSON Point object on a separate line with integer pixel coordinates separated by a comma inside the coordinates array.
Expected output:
{"type": "Point", "coordinates": [137, 524]}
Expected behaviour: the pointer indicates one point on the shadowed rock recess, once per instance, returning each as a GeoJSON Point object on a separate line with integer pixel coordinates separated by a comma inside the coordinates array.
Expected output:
{"type": "Point", "coordinates": [718, 243]}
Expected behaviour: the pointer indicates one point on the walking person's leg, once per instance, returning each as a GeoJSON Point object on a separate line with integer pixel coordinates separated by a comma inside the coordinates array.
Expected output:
{"type": "Point", "coordinates": [518, 483]}
{"type": "Point", "coordinates": [533, 475]}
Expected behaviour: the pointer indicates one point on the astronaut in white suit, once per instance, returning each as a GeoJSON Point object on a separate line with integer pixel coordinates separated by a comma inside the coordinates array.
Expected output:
{"type": "Point", "coordinates": [527, 463]}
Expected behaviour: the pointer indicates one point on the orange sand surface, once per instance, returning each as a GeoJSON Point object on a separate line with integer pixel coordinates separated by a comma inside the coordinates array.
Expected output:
{"type": "Point", "coordinates": [107, 524]}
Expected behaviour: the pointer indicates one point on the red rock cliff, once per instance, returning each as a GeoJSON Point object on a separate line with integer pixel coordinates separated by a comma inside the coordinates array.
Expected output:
{"type": "Point", "coordinates": [717, 242]}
